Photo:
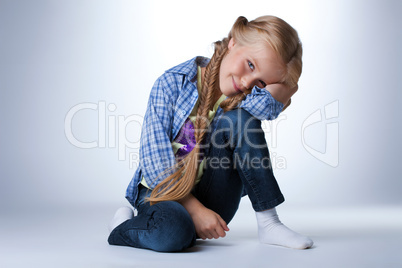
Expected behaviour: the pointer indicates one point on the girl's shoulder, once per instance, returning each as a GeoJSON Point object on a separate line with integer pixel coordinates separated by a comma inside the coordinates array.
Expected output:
{"type": "Point", "coordinates": [189, 68]}
{"type": "Point", "coordinates": [179, 80]}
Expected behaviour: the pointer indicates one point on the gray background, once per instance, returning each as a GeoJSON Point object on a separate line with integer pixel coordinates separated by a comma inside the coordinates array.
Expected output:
{"type": "Point", "coordinates": [55, 55]}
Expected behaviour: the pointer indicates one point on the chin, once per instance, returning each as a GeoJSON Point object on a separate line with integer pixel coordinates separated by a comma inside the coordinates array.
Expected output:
{"type": "Point", "coordinates": [228, 94]}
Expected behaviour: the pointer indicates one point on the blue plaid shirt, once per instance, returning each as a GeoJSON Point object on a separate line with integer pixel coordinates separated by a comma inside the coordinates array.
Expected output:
{"type": "Point", "coordinates": [171, 101]}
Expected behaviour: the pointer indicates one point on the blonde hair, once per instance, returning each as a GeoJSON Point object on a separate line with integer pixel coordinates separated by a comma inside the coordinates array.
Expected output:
{"type": "Point", "coordinates": [269, 30]}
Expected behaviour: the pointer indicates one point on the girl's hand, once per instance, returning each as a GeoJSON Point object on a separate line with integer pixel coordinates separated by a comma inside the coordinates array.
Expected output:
{"type": "Point", "coordinates": [281, 92]}
{"type": "Point", "coordinates": [209, 224]}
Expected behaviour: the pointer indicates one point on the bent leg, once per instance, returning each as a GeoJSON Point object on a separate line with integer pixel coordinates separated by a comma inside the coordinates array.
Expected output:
{"type": "Point", "coordinates": [239, 158]}
{"type": "Point", "coordinates": [240, 141]}
{"type": "Point", "coordinates": [220, 190]}
{"type": "Point", "coordinates": [165, 227]}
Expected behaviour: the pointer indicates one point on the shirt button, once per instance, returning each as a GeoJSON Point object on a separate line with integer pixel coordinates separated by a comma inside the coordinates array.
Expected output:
{"type": "Point", "coordinates": [195, 95]}
{"type": "Point", "coordinates": [183, 112]}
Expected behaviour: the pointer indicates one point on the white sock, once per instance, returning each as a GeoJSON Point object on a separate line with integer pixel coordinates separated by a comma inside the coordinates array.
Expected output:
{"type": "Point", "coordinates": [272, 231]}
{"type": "Point", "coordinates": [121, 215]}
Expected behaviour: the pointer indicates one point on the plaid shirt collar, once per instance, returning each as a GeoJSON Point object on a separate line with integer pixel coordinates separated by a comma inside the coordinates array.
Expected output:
{"type": "Point", "coordinates": [189, 68]}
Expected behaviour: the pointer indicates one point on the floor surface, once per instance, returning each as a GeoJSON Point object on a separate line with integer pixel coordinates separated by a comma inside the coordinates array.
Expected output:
{"type": "Point", "coordinates": [353, 237]}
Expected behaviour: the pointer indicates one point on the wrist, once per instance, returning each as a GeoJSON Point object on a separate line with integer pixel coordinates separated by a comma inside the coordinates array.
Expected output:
{"type": "Point", "coordinates": [191, 204]}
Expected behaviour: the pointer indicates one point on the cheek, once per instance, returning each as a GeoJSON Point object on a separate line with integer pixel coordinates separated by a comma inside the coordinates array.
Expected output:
{"type": "Point", "coordinates": [224, 65]}
{"type": "Point", "coordinates": [222, 75]}
{"type": "Point", "coordinates": [238, 66]}
{"type": "Point", "coordinates": [221, 72]}
{"type": "Point", "coordinates": [224, 71]}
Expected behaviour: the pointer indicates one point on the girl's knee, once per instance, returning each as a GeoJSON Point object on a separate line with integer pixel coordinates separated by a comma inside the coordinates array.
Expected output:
{"type": "Point", "coordinates": [239, 117]}
{"type": "Point", "coordinates": [236, 126]}
{"type": "Point", "coordinates": [177, 231]}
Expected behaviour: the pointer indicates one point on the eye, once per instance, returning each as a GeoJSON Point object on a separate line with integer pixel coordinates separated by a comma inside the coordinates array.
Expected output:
{"type": "Point", "coordinates": [250, 65]}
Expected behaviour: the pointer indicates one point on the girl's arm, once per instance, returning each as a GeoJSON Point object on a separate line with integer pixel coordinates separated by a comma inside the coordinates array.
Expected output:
{"type": "Point", "coordinates": [267, 103]}
{"type": "Point", "coordinates": [281, 92]}
{"type": "Point", "coordinates": [208, 224]}
{"type": "Point", "coordinates": [156, 152]}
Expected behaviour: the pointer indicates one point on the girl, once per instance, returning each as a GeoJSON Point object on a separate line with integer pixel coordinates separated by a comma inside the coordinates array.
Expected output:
{"type": "Point", "coordinates": [202, 145]}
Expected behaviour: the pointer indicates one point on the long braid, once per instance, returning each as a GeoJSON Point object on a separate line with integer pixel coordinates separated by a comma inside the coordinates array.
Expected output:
{"type": "Point", "coordinates": [180, 183]}
{"type": "Point", "coordinates": [210, 87]}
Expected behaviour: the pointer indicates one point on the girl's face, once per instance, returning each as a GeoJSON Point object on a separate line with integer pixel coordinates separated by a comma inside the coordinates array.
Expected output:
{"type": "Point", "coordinates": [246, 66]}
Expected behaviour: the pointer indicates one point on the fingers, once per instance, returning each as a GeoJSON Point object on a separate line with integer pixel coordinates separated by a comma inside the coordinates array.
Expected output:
{"type": "Point", "coordinates": [209, 235]}
{"type": "Point", "coordinates": [216, 233]}
{"type": "Point", "coordinates": [209, 225]}
{"type": "Point", "coordinates": [223, 224]}
{"type": "Point", "coordinates": [219, 230]}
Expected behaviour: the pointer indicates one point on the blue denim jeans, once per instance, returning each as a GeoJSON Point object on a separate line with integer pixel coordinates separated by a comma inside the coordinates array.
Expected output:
{"type": "Point", "coordinates": [237, 163]}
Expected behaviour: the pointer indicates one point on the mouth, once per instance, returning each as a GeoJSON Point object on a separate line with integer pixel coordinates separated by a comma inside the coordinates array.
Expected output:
{"type": "Point", "coordinates": [238, 90]}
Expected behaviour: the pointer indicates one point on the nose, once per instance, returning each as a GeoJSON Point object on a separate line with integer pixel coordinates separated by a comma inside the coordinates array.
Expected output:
{"type": "Point", "coordinates": [246, 82]}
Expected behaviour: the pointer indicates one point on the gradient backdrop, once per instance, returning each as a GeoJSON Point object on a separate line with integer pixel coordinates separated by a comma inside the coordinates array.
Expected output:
{"type": "Point", "coordinates": [75, 78]}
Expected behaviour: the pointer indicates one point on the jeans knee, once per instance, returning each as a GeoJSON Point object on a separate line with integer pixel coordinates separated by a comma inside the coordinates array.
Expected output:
{"type": "Point", "coordinates": [237, 127]}
{"type": "Point", "coordinates": [240, 117]}
{"type": "Point", "coordinates": [177, 231]}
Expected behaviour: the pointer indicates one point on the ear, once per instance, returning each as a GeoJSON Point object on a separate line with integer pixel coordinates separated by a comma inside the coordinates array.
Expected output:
{"type": "Point", "coordinates": [231, 43]}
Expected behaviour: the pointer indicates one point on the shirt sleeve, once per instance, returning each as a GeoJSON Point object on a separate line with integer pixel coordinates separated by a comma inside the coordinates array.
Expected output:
{"type": "Point", "coordinates": [156, 153]}
{"type": "Point", "coordinates": [261, 104]}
